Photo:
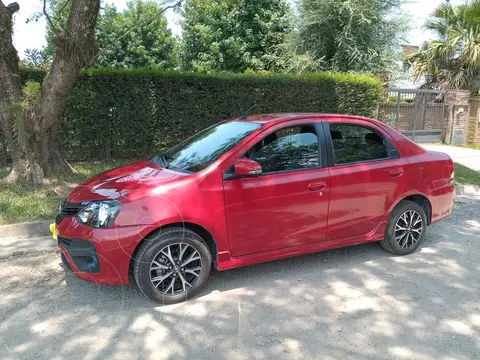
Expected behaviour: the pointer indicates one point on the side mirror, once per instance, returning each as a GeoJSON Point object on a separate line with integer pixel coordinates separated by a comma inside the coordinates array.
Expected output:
{"type": "Point", "coordinates": [247, 167]}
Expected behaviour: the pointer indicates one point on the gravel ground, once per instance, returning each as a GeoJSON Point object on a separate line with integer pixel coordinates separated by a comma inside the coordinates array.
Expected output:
{"type": "Point", "coordinates": [353, 303]}
{"type": "Point", "coordinates": [14, 245]}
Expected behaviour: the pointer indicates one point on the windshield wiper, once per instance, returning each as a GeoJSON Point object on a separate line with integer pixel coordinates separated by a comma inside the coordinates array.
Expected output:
{"type": "Point", "coordinates": [161, 160]}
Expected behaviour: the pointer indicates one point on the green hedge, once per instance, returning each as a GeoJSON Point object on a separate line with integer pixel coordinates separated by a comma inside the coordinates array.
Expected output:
{"type": "Point", "coordinates": [131, 114]}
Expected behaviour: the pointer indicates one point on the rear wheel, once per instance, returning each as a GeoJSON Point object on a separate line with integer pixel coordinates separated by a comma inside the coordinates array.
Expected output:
{"type": "Point", "coordinates": [172, 266]}
{"type": "Point", "coordinates": [406, 228]}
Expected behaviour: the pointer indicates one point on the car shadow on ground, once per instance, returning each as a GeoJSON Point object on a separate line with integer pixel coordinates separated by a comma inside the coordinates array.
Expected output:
{"type": "Point", "coordinates": [357, 302]}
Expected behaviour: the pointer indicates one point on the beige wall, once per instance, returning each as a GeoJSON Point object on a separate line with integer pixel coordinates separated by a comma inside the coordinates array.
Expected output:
{"type": "Point", "coordinates": [473, 127]}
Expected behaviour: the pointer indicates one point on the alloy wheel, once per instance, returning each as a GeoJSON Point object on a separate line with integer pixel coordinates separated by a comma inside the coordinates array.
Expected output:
{"type": "Point", "coordinates": [175, 268]}
{"type": "Point", "coordinates": [408, 229]}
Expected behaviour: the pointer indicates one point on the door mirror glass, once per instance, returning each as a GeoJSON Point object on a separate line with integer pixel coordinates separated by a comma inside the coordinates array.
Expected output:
{"type": "Point", "coordinates": [247, 167]}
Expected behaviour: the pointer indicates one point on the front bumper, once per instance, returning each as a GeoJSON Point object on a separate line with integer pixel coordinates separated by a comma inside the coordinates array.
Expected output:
{"type": "Point", "coordinates": [101, 256]}
{"type": "Point", "coordinates": [82, 253]}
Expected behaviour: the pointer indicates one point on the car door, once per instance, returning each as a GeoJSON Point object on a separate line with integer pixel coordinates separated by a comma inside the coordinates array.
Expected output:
{"type": "Point", "coordinates": [287, 205]}
{"type": "Point", "coordinates": [366, 176]}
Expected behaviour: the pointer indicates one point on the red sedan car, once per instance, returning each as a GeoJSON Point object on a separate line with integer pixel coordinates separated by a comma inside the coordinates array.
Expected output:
{"type": "Point", "coordinates": [250, 190]}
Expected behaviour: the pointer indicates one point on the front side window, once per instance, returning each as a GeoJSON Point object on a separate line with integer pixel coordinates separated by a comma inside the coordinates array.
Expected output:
{"type": "Point", "coordinates": [209, 145]}
{"type": "Point", "coordinates": [292, 148]}
{"type": "Point", "coordinates": [356, 143]}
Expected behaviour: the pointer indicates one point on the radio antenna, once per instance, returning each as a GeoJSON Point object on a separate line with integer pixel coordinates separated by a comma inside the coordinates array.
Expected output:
{"type": "Point", "coordinates": [246, 112]}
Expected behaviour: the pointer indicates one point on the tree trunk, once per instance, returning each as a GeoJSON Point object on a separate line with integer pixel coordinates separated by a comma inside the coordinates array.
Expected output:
{"type": "Point", "coordinates": [75, 49]}
{"type": "Point", "coordinates": [10, 89]}
{"type": "Point", "coordinates": [45, 157]}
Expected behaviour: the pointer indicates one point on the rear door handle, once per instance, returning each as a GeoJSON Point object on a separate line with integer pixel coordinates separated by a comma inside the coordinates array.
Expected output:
{"type": "Point", "coordinates": [315, 186]}
{"type": "Point", "coordinates": [396, 172]}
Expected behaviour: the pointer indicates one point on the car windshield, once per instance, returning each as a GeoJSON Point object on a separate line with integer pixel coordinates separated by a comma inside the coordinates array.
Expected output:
{"type": "Point", "coordinates": [204, 148]}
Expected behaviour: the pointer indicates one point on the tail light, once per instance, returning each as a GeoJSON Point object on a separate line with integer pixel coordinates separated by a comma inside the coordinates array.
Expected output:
{"type": "Point", "coordinates": [451, 169]}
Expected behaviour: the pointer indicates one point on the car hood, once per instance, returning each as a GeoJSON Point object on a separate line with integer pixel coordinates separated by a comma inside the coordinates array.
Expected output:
{"type": "Point", "coordinates": [126, 182]}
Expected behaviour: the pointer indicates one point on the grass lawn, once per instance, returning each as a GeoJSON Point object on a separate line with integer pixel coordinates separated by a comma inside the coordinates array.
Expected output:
{"type": "Point", "coordinates": [23, 202]}
{"type": "Point", "coordinates": [466, 176]}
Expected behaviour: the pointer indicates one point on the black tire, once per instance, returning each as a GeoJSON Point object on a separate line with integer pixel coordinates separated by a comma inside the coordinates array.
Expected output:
{"type": "Point", "coordinates": [402, 246]}
{"type": "Point", "coordinates": [150, 250]}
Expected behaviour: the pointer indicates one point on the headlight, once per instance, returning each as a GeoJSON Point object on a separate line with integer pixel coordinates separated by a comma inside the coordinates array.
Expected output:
{"type": "Point", "coordinates": [99, 214]}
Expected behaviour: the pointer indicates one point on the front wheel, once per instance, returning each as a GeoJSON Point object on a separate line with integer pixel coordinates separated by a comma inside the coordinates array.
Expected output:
{"type": "Point", "coordinates": [172, 266]}
{"type": "Point", "coordinates": [406, 228]}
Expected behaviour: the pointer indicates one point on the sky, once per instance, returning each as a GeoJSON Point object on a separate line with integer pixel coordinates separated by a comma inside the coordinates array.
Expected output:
{"type": "Point", "coordinates": [32, 35]}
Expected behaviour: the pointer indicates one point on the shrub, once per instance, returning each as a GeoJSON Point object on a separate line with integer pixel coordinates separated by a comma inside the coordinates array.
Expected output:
{"type": "Point", "coordinates": [131, 114]}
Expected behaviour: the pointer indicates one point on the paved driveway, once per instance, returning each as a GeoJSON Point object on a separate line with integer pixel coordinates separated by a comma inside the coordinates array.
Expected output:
{"type": "Point", "coordinates": [464, 156]}
{"type": "Point", "coordinates": [354, 303]}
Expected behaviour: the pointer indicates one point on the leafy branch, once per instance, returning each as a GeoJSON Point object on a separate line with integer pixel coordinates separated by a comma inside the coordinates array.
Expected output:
{"type": "Point", "coordinates": [109, 46]}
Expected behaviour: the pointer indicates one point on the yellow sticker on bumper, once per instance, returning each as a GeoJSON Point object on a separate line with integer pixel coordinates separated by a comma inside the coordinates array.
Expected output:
{"type": "Point", "coordinates": [53, 229]}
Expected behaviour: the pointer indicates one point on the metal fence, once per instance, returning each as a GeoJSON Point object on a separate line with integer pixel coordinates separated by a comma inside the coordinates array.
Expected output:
{"type": "Point", "coordinates": [417, 113]}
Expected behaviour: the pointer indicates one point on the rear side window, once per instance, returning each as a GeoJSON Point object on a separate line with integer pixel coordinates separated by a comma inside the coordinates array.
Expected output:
{"type": "Point", "coordinates": [292, 148]}
{"type": "Point", "coordinates": [356, 143]}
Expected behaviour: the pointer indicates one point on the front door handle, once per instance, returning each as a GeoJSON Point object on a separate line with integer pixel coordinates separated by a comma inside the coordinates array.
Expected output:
{"type": "Point", "coordinates": [397, 172]}
{"type": "Point", "coordinates": [315, 186]}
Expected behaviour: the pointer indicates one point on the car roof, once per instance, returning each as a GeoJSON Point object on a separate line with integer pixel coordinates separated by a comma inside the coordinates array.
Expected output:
{"type": "Point", "coordinates": [280, 117]}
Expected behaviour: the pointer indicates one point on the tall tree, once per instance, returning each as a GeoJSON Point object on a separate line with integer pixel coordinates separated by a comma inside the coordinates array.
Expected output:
{"type": "Point", "coordinates": [39, 112]}
{"type": "Point", "coordinates": [136, 37]}
{"type": "Point", "coordinates": [10, 91]}
{"type": "Point", "coordinates": [453, 60]}
{"type": "Point", "coordinates": [39, 154]}
{"type": "Point", "coordinates": [233, 35]}
{"type": "Point", "coordinates": [354, 35]}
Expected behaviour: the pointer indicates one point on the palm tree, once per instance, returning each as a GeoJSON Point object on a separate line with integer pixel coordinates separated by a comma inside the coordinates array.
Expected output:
{"type": "Point", "coordinates": [452, 61]}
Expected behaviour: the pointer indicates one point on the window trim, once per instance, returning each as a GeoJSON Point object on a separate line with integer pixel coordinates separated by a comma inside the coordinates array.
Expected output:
{"type": "Point", "coordinates": [329, 143]}
{"type": "Point", "coordinates": [321, 149]}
